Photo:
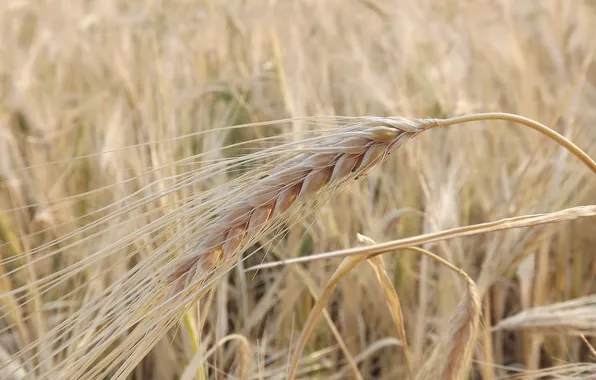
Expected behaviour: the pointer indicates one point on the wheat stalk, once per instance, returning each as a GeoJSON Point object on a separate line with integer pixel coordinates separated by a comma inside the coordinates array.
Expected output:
{"type": "Point", "coordinates": [116, 328]}
{"type": "Point", "coordinates": [476, 229]}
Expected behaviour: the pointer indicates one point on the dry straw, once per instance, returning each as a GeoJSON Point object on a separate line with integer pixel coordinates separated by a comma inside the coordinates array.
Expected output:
{"type": "Point", "coordinates": [112, 332]}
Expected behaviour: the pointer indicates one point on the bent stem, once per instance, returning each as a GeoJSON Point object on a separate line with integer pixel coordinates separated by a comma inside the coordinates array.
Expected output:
{"type": "Point", "coordinates": [376, 262]}
{"type": "Point", "coordinates": [344, 268]}
{"type": "Point", "coordinates": [553, 135]}
{"type": "Point", "coordinates": [452, 356]}
{"type": "Point", "coordinates": [315, 292]}
{"type": "Point", "coordinates": [198, 360]}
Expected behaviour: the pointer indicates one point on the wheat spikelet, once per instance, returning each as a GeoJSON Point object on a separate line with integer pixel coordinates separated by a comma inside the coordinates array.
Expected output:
{"type": "Point", "coordinates": [452, 356]}
{"type": "Point", "coordinates": [115, 329]}
{"type": "Point", "coordinates": [573, 317]}
{"type": "Point", "coordinates": [273, 195]}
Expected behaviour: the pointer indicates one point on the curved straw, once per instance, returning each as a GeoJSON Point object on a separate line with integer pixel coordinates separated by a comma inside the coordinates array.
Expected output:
{"type": "Point", "coordinates": [199, 358]}
{"type": "Point", "coordinates": [344, 268]}
{"type": "Point", "coordinates": [553, 135]}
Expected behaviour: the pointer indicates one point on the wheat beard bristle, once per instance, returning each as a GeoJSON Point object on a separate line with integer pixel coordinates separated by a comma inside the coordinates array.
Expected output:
{"type": "Point", "coordinates": [272, 196]}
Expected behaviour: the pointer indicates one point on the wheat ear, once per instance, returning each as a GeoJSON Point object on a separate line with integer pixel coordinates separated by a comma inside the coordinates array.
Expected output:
{"type": "Point", "coordinates": [324, 163]}
{"type": "Point", "coordinates": [452, 355]}
{"type": "Point", "coordinates": [111, 334]}
{"type": "Point", "coordinates": [271, 197]}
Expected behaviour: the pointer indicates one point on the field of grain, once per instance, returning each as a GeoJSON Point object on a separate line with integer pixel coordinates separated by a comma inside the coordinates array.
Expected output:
{"type": "Point", "coordinates": [131, 131]}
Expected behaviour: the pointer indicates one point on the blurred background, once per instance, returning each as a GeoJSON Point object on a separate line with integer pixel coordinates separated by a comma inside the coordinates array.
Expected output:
{"type": "Point", "coordinates": [84, 77]}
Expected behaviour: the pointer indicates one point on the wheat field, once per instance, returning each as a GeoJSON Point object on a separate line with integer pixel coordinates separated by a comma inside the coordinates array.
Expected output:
{"type": "Point", "coordinates": [284, 189]}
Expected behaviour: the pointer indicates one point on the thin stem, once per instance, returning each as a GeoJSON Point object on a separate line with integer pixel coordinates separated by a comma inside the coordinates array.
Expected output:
{"type": "Point", "coordinates": [499, 225]}
{"type": "Point", "coordinates": [344, 268]}
{"type": "Point", "coordinates": [439, 260]}
{"type": "Point", "coordinates": [553, 135]}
